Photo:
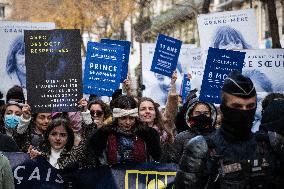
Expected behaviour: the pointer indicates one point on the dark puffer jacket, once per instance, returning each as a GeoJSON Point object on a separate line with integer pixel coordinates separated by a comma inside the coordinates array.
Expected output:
{"type": "Point", "coordinates": [182, 138]}
{"type": "Point", "coordinates": [100, 141]}
{"type": "Point", "coordinates": [230, 164]}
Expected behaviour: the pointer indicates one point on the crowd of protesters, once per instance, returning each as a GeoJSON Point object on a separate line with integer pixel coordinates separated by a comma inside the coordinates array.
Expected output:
{"type": "Point", "coordinates": [214, 146]}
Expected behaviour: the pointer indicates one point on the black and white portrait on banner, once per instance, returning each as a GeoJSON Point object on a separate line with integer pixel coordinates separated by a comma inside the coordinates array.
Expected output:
{"type": "Point", "coordinates": [12, 55]}
{"type": "Point", "coordinates": [228, 30]}
{"type": "Point", "coordinates": [157, 86]}
{"type": "Point", "coordinates": [265, 67]}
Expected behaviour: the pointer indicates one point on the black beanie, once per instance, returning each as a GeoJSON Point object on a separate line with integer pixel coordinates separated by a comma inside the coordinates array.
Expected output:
{"type": "Point", "coordinates": [273, 117]}
{"type": "Point", "coordinates": [16, 92]}
{"type": "Point", "coordinates": [239, 85]}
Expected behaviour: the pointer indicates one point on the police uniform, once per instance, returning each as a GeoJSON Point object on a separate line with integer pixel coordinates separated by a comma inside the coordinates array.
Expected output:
{"type": "Point", "coordinates": [235, 158]}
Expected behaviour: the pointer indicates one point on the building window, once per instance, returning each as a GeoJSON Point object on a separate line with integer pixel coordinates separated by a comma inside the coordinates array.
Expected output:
{"type": "Point", "coordinates": [2, 12]}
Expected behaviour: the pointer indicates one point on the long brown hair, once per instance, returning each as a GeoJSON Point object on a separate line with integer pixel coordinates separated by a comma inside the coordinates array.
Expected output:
{"type": "Point", "coordinates": [158, 121]}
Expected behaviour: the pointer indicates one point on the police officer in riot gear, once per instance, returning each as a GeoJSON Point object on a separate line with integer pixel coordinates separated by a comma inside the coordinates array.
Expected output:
{"type": "Point", "coordinates": [233, 157]}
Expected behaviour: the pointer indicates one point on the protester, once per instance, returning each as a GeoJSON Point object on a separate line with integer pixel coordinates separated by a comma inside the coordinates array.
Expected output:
{"type": "Point", "coordinates": [269, 98]}
{"type": "Point", "coordinates": [180, 121]}
{"type": "Point", "coordinates": [7, 144]}
{"type": "Point", "coordinates": [15, 94]}
{"type": "Point", "coordinates": [232, 157]}
{"type": "Point", "coordinates": [95, 115]}
{"type": "Point", "coordinates": [273, 122]}
{"type": "Point", "coordinates": [6, 177]}
{"type": "Point", "coordinates": [126, 139]}
{"type": "Point", "coordinates": [200, 120]}
{"type": "Point", "coordinates": [58, 142]}
{"type": "Point", "coordinates": [15, 118]}
{"type": "Point", "coordinates": [76, 122]}
{"type": "Point", "coordinates": [34, 135]}
{"type": "Point", "coordinates": [150, 115]}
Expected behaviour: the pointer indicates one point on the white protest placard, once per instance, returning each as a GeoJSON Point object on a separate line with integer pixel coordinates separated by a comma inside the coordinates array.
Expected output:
{"type": "Point", "coordinates": [196, 68]}
{"type": "Point", "coordinates": [156, 85]}
{"type": "Point", "coordinates": [228, 30]}
{"type": "Point", "coordinates": [265, 67]}
{"type": "Point", "coordinates": [12, 57]}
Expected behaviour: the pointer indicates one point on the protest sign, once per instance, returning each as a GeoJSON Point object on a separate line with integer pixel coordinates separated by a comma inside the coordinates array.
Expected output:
{"type": "Point", "coordinates": [102, 69]}
{"type": "Point", "coordinates": [156, 85]}
{"type": "Point", "coordinates": [228, 30]}
{"type": "Point", "coordinates": [196, 68]}
{"type": "Point", "coordinates": [125, 59]}
{"type": "Point", "coordinates": [186, 87]}
{"type": "Point", "coordinates": [12, 54]}
{"type": "Point", "coordinates": [127, 176]}
{"type": "Point", "coordinates": [33, 174]}
{"type": "Point", "coordinates": [166, 55]}
{"type": "Point", "coordinates": [265, 67]}
{"type": "Point", "coordinates": [53, 61]}
{"type": "Point", "coordinates": [219, 64]}
{"type": "Point", "coordinates": [38, 173]}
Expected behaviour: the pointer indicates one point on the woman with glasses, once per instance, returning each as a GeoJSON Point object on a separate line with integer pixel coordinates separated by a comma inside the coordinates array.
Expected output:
{"type": "Point", "coordinates": [126, 139]}
{"type": "Point", "coordinates": [200, 118]}
{"type": "Point", "coordinates": [95, 114]}
{"type": "Point", "coordinates": [57, 145]}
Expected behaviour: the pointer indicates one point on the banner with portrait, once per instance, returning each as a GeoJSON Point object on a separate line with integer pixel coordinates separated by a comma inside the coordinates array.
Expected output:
{"type": "Point", "coordinates": [228, 30]}
{"type": "Point", "coordinates": [54, 77]}
{"type": "Point", "coordinates": [156, 85]}
{"type": "Point", "coordinates": [265, 67]}
{"type": "Point", "coordinates": [12, 54]}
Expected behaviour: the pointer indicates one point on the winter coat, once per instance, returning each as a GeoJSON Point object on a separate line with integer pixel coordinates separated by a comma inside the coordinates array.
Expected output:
{"type": "Point", "coordinates": [105, 145]}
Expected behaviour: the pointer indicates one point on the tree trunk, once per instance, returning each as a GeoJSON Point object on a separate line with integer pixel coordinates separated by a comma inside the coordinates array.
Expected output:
{"type": "Point", "coordinates": [273, 23]}
{"type": "Point", "coordinates": [205, 7]}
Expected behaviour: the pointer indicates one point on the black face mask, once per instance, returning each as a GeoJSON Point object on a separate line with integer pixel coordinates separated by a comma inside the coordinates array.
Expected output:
{"type": "Point", "coordinates": [237, 122]}
{"type": "Point", "coordinates": [201, 124]}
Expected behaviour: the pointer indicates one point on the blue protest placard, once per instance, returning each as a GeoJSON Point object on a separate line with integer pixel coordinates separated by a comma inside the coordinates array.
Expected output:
{"type": "Point", "coordinates": [219, 64]}
{"type": "Point", "coordinates": [186, 87]}
{"type": "Point", "coordinates": [126, 52]}
{"type": "Point", "coordinates": [166, 55]}
{"type": "Point", "coordinates": [102, 69]}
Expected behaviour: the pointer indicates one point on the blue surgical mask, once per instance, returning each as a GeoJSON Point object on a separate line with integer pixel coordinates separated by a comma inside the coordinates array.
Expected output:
{"type": "Point", "coordinates": [11, 121]}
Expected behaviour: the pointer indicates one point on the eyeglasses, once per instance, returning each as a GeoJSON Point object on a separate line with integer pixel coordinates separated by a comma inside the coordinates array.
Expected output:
{"type": "Point", "coordinates": [97, 113]}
